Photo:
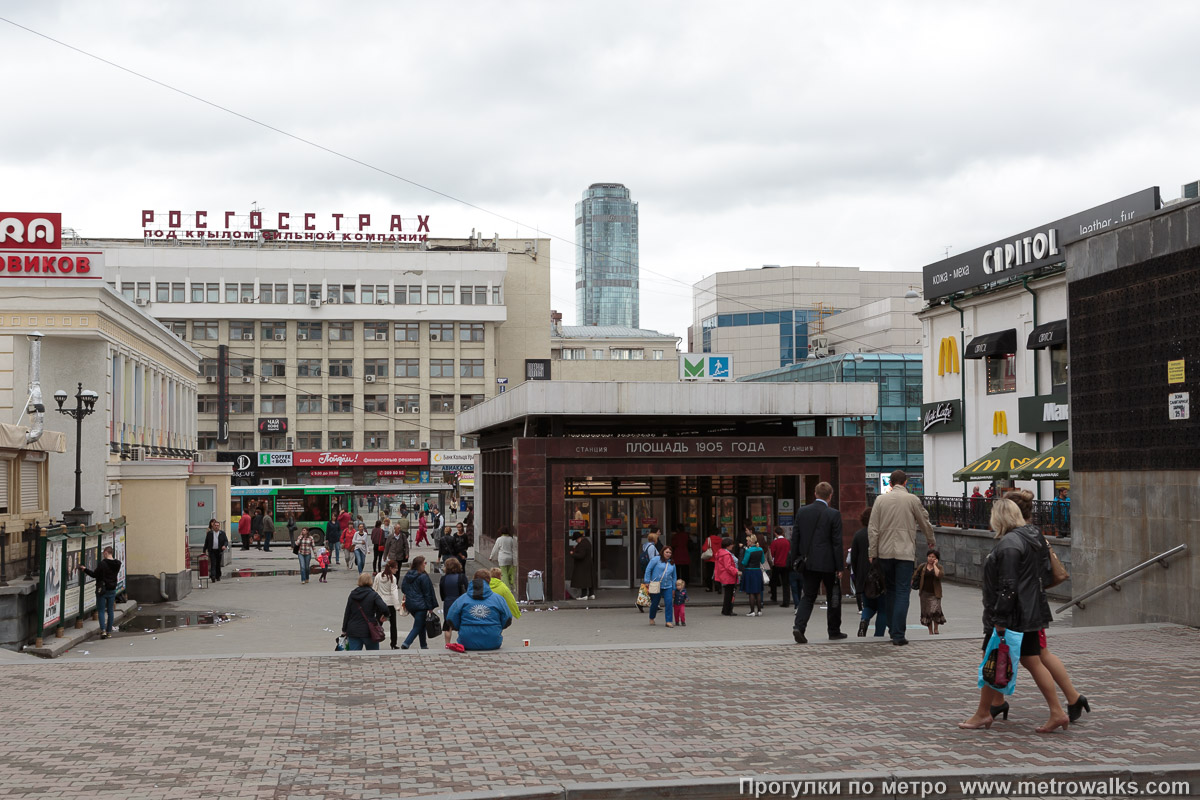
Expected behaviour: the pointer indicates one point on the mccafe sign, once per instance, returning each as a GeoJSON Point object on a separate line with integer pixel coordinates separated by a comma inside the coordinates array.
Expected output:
{"type": "Point", "coordinates": [943, 417]}
{"type": "Point", "coordinates": [1032, 249]}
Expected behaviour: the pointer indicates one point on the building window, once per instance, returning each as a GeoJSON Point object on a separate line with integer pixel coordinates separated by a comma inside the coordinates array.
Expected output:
{"type": "Point", "coordinates": [574, 354]}
{"type": "Point", "coordinates": [273, 404]}
{"type": "Point", "coordinates": [273, 293]}
{"type": "Point", "coordinates": [277, 441]}
{"type": "Point", "coordinates": [341, 367]}
{"type": "Point", "coordinates": [239, 293]}
{"type": "Point", "coordinates": [408, 403]}
{"type": "Point", "coordinates": [274, 368]}
{"type": "Point", "coordinates": [441, 440]}
{"type": "Point", "coordinates": [341, 331]}
{"type": "Point", "coordinates": [241, 331]}
{"type": "Point", "coordinates": [341, 440]}
{"type": "Point", "coordinates": [472, 295]}
{"type": "Point", "coordinates": [408, 331]}
{"type": "Point", "coordinates": [471, 368]}
{"type": "Point", "coordinates": [441, 367]}
{"type": "Point", "coordinates": [341, 404]}
{"type": "Point", "coordinates": [495, 295]}
{"type": "Point", "coordinates": [658, 355]}
{"type": "Point", "coordinates": [433, 296]}
{"type": "Point", "coordinates": [407, 439]}
{"type": "Point", "coordinates": [466, 401]}
{"type": "Point", "coordinates": [470, 331]}
{"type": "Point", "coordinates": [1001, 374]}
{"type": "Point", "coordinates": [241, 441]}
{"type": "Point", "coordinates": [308, 330]}
{"type": "Point", "coordinates": [348, 293]}
{"type": "Point", "coordinates": [469, 442]}
{"type": "Point", "coordinates": [375, 331]}
{"type": "Point", "coordinates": [308, 367]}
{"type": "Point", "coordinates": [375, 366]}
{"type": "Point", "coordinates": [207, 404]}
{"type": "Point", "coordinates": [206, 440]}
{"type": "Point", "coordinates": [197, 292]}
{"type": "Point", "coordinates": [441, 331]}
{"type": "Point", "coordinates": [626, 353]}
{"type": "Point", "coordinates": [241, 404]}
{"type": "Point", "coordinates": [162, 292]}
{"type": "Point", "coordinates": [375, 403]}
{"type": "Point", "coordinates": [1058, 365]}
{"type": "Point", "coordinates": [127, 290]}
{"type": "Point", "coordinates": [441, 403]}
{"type": "Point", "coordinates": [408, 295]}
{"type": "Point", "coordinates": [376, 440]}
{"type": "Point", "coordinates": [408, 367]}
{"type": "Point", "coordinates": [241, 367]}
{"type": "Point", "coordinates": [309, 440]}
{"type": "Point", "coordinates": [274, 331]}
{"type": "Point", "coordinates": [177, 327]}
{"type": "Point", "coordinates": [206, 331]}
{"type": "Point", "coordinates": [305, 292]}
{"type": "Point", "coordinates": [597, 355]}
{"type": "Point", "coordinates": [208, 367]}
{"type": "Point", "coordinates": [308, 404]}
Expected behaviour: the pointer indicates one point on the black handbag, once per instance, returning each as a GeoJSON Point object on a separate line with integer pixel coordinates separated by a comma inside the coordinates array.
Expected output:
{"type": "Point", "coordinates": [433, 624]}
{"type": "Point", "coordinates": [373, 628]}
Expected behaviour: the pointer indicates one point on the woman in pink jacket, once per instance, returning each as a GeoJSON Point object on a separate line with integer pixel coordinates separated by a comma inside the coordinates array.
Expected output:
{"type": "Point", "coordinates": [422, 528]}
{"type": "Point", "coordinates": [725, 572]}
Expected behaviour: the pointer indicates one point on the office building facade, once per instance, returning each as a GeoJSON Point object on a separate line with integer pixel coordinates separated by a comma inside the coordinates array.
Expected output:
{"type": "Point", "coordinates": [606, 257]}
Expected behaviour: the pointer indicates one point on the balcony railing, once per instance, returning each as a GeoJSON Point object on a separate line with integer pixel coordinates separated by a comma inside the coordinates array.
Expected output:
{"type": "Point", "coordinates": [973, 513]}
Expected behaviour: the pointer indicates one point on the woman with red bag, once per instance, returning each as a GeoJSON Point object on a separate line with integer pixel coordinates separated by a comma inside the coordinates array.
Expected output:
{"type": "Point", "coordinates": [1013, 597]}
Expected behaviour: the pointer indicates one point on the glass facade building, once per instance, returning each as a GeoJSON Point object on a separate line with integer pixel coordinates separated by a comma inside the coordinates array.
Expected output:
{"type": "Point", "coordinates": [606, 257]}
{"type": "Point", "coordinates": [893, 437]}
{"type": "Point", "coordinates": [792, 324]}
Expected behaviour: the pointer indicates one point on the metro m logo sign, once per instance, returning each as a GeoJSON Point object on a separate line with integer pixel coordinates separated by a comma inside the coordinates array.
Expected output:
{"type": "Point", "coordinates": [693, 369]}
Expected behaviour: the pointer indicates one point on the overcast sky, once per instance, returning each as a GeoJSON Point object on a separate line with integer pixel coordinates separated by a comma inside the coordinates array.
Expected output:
{"type": "Point", "coordinates": [869, 135]}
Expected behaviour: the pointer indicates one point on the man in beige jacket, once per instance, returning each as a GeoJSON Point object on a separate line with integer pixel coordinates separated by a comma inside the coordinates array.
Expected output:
{"type": "Point", "coordinates": [892, 537]}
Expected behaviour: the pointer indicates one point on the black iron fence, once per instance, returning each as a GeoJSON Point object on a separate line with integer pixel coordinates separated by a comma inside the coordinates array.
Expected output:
{"type": "Point", "coordinates": [973, 513]}
{"type": "Point", "coordinates": [18, 552]}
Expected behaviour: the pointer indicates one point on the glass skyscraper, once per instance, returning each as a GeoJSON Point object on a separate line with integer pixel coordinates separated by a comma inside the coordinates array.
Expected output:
{"type": "Point", "coordinates": [606, 257]}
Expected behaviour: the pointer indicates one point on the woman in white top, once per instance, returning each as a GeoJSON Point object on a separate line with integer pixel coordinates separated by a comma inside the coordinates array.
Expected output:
{"type": "Point", "coordinates": [362, 546]}
{"type": "Point", "coordinates": [504, 554]}
{"type": "Point", "coordinates": [387, 586]}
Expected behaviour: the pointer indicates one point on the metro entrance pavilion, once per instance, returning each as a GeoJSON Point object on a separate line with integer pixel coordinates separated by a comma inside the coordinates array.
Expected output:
{"type": "Point", "coordinates": [612, 459]}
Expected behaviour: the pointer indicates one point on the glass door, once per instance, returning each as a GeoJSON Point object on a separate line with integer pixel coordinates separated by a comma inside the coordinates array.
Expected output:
{"type": "Point", "coordinates": [689, 518]}
{"type": "Point", "coordinates": [202, 506]}
{"type": "Point", "coordinates": [724, 517]}
{"type": "Point", "coordinates": [759, 511]}
{"type": "Point", "coordinates": [611, 524]}
{"type": "Point", "coordinates": [579, 518]}
{"type": "Point", "coordinates": [647, 511]}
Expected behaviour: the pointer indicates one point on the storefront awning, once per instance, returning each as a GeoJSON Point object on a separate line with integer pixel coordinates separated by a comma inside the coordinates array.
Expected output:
{"type": "Point", "coordinates": [1047, 335]}
{"type": "Point", "coordinates": [1052, 465]}
{"type": "Point", "coordinates": [1000, 343]}
{"type": "Point", "coordinates": [998, 464]}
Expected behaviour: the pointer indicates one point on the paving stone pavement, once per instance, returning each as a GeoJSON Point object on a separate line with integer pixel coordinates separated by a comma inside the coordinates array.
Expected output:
{"type": "Point", "coordinates": [415, 724]}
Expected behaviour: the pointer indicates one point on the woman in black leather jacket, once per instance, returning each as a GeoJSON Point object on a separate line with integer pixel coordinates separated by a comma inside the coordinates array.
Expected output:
{"type": "Point", "coordinates": [1013, 597]}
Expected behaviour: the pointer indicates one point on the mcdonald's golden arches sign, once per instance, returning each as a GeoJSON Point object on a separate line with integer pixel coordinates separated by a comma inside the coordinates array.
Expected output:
{"type": "Point", "coordinates": [999, 423]}
{"type": "Point", "coordinates": [948, 356]}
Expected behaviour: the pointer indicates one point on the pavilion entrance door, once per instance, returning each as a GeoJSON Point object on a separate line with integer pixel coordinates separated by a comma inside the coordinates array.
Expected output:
{"type": "Point", "coordinates": [648, 511]}
{"type": "Point", "coordinates": [613, 538]}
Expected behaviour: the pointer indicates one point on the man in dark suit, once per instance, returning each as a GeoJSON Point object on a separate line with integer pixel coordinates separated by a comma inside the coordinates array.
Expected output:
{"type": "Point", "coordinates": [216, 543]}
{"type": "Point", "coordinates": [817, 556]}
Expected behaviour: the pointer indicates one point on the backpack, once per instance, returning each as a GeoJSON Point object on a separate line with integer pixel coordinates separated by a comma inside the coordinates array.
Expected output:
{"type": "Point", "coordinates": [644, 558]}
{"type": "Point", "coordinates": [875, 585]}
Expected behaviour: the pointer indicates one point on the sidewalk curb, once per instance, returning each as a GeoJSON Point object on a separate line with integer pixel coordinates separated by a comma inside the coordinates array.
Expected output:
{"type": "Point", "coordinates": [837, 784]}
{"type": "Point", "coordinates": [55, 647]}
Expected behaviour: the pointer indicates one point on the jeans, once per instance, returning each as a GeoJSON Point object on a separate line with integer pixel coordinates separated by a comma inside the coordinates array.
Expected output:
{"type": "Point", "coordinates": [877, 606]}
{"type": "Point", "coordinates": [334, 547]}
{"type": "Point", "coordinates": [898, 573]}
{"type": "Point", "coordinates": [795, 585]}
{"type": "Point", "coordinates": [354, 643]}
{"type": "Point", "coordinates": [360, 560]}
{"type": "Point", "coordinates": [377, 560]}
{"type": "Point", "coordinates": [266, 537]}
{"type": "Point", "coordinates": [666, 599]}
{"type": "Point", "coordinates": [418, 629]}
{"type": "Point", "coordinates": [305, 560]}
{"type": "Point", "coordinates": [508, 574]}
{"type": "Point", "coordinates": [107, 605]}
{"type": "Point", "coordinates": [833, 593]}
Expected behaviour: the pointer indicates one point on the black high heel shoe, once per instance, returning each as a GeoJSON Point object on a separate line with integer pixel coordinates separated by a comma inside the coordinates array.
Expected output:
{"type": "Point", "coordinates": [1001, 709]}
{"type": "Point", "coordinates": [1075, 710]}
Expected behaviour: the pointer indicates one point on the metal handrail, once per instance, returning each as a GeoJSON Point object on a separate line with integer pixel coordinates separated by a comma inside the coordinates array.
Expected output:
{"type": "Point", "coordinates": [1115, 583]}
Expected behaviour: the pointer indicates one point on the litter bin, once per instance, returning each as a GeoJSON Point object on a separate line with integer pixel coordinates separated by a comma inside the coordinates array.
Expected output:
{"type": "Point", "coordinates": [535, 591]}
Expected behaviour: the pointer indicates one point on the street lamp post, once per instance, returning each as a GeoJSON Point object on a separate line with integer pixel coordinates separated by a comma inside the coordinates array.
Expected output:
{"type": "Point", "coordinates": [85, 404]}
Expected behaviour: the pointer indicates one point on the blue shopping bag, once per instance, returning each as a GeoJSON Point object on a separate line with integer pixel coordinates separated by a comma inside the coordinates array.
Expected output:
{"type": "Point", "coordinates": [998, 669]}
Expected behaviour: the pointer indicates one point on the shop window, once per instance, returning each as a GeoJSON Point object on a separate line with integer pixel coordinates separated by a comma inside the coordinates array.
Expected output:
{"type": "Point", "coordinates": [1058, 365]}
{"type": "Point", "coordinates": [1001, 374]}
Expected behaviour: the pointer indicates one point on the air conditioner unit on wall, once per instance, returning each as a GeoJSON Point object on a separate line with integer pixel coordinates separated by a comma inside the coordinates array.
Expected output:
{"type": "Point", "coordinates": [381, 337]}
{"type": "Point", "coordinates": [302, 337]}
{"type": "Point", "coordinates": [279, 337]}
{"type": "Point", "coordinates": [247, 337]}
{"type": "Point", "coordinates": [381, 301]}
{"type": "Point", "coordinates": [141, 301]}
{"type": "Point", "coordinates": [264, 378]}
{"type": "Point", "coordinates": [314, 303]}
{"type": "Point", "coordinates": [369, 378]}
{"type": "Point", "coordinates": [247, 379]}
{"type": "Point", "coordinates": [416, 409]}
{"type": "Point", "coordinates": [247, 299]}
{"type": "Point", "coordinates": [210, 378]}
